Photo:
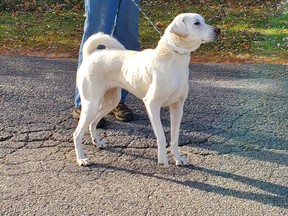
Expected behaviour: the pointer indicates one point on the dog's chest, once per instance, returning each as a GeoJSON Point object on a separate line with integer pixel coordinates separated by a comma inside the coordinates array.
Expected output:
{"type": "Point", "coordinates": [176, 89]}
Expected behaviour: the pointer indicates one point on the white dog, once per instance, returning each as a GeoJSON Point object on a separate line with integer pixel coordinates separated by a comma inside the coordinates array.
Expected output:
{"type": "Point", "coordinates": [157, 76]}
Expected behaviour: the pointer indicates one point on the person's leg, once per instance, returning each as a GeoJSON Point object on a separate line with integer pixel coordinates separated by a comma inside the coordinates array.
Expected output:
{"type": "Point", "coordinates": [126, 29]}
{"type": "Point", "coordinates": [100, 17]}
{"type": "Point", "coordinates": [124, 94]}
{"type": "Point", "coordinates": [105, 21]}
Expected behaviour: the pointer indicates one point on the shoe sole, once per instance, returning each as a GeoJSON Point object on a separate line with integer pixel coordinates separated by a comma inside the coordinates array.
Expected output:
{"type": "Point", "coordinates": [123, 119]}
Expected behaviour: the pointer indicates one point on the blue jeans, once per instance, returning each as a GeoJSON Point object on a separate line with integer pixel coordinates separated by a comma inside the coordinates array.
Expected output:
{"type": "Point", "coordinates": [118, 18]}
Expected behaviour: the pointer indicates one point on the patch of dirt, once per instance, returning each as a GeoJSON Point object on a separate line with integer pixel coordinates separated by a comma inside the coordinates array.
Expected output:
{"type": "Point", "coordinates": [197, 58]}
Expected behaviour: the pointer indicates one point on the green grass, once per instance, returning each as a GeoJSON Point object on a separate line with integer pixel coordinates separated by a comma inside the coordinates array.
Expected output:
{"type": "Point", "coordinates": [275, 36]}
{"type": "Point", "coordinates": [58, 32]}
{"type": "Point", "coordinates": [258, 32]}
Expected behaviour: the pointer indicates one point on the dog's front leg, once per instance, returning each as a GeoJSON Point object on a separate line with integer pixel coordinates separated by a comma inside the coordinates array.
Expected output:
{"type": "Point", "coordinates": [176, 112]}
{"type": "Point", "coordinates": [153, 110]}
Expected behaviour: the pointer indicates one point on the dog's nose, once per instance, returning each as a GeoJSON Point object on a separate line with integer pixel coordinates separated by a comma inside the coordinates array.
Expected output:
{"type": "Point", "coordinates": [217, 30]}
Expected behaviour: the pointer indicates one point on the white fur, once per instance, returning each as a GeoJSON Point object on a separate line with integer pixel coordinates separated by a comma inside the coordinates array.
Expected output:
{"type": "Point", "coordinates": [157, 76]}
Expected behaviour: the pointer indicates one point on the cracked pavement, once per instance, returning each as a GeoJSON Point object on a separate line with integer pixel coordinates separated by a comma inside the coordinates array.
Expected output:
{"type": "Point", "coordinates": [234, 134]}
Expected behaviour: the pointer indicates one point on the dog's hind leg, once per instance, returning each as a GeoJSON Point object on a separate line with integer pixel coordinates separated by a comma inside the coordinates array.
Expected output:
{"type": "Point", "coordinates": [88, 113]}
{"type": "Point", "coordinates": [176, 112]}
{"type": "Point", "coordinates": [109, 102]}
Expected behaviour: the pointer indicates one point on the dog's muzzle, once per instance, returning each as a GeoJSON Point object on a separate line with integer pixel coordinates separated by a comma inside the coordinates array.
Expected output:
{"type": "Point", "coordinates": [217, 32]}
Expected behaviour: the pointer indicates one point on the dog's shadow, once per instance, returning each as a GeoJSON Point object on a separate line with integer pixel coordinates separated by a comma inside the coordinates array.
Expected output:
{"type": "Point", "coordinates": [273, 194]}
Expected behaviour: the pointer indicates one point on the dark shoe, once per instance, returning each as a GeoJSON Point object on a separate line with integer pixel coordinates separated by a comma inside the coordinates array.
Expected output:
{"type": "Point", "coordinates": [123, 113]}
{"type": "Point", "coordinates": [76, 115]}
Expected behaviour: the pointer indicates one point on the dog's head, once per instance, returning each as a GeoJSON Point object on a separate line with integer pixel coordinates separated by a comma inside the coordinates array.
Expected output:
{"type": "Point", "coordinates": [191, 29]}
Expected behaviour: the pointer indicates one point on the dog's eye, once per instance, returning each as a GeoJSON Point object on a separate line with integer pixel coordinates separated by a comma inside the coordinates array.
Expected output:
{"type": "Point", "coordinates": [197, 23]}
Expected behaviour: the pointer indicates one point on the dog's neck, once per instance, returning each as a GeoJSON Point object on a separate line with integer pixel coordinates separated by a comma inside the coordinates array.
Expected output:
{"type": "Point", "coordinates": [181, 50]}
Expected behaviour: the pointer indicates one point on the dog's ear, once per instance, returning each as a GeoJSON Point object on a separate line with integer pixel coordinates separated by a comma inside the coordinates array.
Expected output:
{"type": "Point", "coordinates": [179, 28]}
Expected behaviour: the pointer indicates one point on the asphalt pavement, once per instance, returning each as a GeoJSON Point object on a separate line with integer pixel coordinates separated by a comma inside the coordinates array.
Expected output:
{"type": "Point", "coordinates": [234, 133]}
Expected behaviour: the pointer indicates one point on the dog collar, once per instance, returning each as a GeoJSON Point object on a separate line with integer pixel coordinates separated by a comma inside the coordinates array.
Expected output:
{"type": "Point", "coordinates": [175, 48]}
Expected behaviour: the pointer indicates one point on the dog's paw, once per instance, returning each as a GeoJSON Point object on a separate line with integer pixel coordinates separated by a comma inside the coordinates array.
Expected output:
{"type": "Point", "coordinates": [83, 162]}
{"type": "Point", "coordinates": [100, 144]}
{"type": "Point", "coordinates": [163, 162]}
{"type": "Point", "coordinates": [181, 161]}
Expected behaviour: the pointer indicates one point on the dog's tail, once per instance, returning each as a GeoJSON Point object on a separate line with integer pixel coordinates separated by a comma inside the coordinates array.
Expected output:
{"type": "Point", "coordinates": [100, 39]}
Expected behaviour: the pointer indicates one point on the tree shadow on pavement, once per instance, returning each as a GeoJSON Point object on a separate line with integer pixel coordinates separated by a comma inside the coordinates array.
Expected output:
{"type": "Point", "coordinates": [241, 111]}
